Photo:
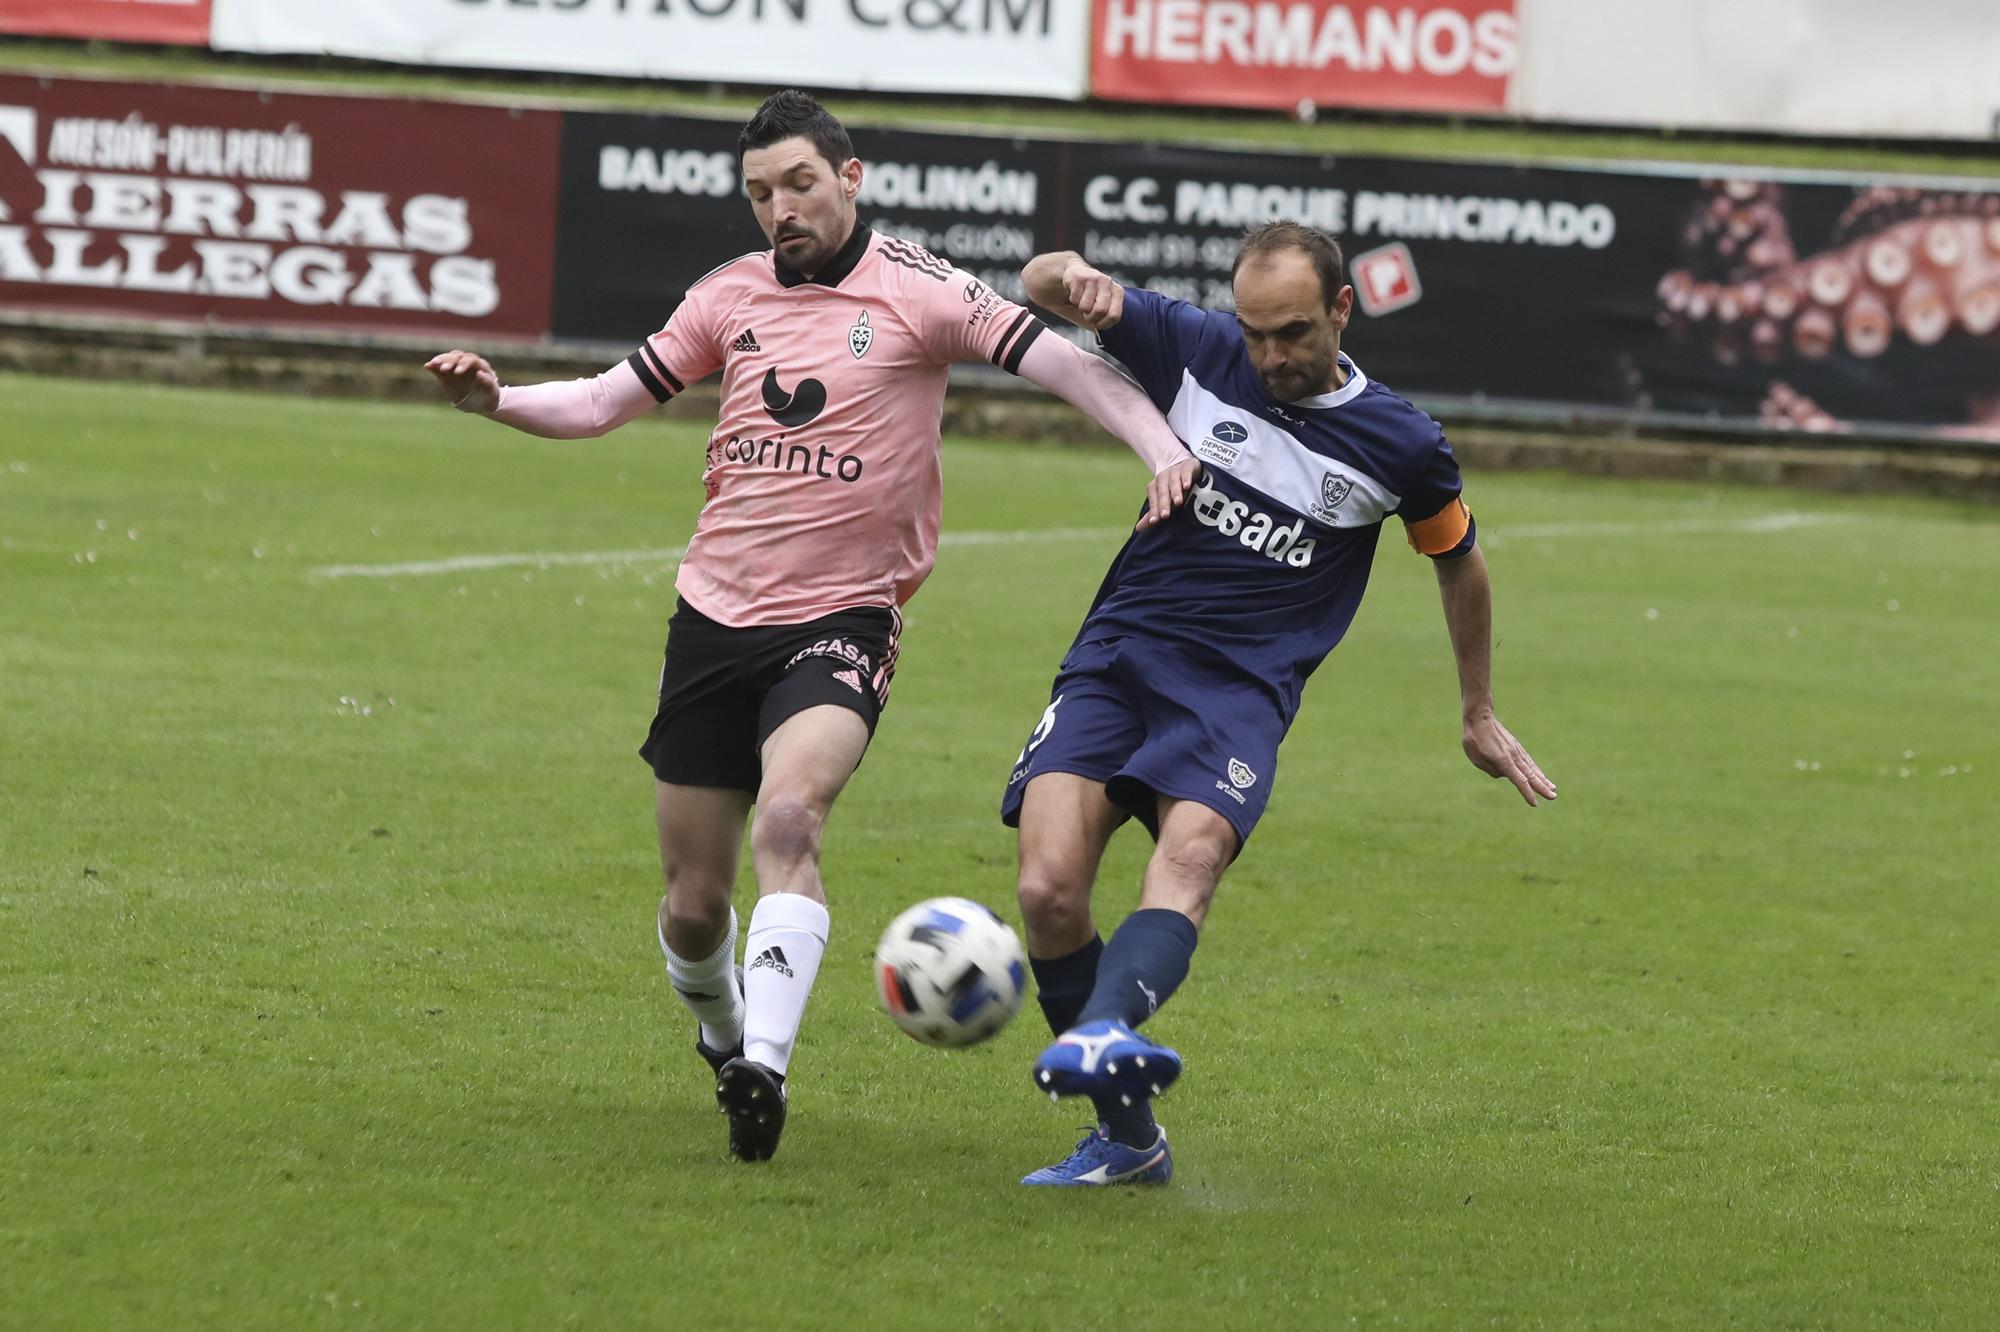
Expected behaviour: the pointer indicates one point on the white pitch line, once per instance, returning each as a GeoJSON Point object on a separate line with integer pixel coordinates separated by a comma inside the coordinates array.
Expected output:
{"type": "Point", "coordinates": [544, 559]}
{"type": "Point", "coordinates": [549, 559]}
{"type": "Point", "coordinates": [1033, 534]}
{"type": "Point", "coordinates": [1770, 522]}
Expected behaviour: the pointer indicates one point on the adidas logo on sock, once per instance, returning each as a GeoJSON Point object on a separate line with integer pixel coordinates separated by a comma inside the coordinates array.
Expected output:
{"type": "Point", "coordinates": [746, 341]}
{"type": "Point", "coordinates": [774, 958]}
{"type": "Point", "coordinates": [696, 996]}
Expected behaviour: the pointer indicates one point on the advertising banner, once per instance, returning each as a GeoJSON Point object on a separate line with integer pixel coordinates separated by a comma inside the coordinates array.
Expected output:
{"type": "Point", "coordinates": [1427, 55]}
{"type": "Point", "coordinates": [1918, 68]}
{"type": "Point", "coordinates": [1926, 68]}
{"type": "Point", "coordinates": [651, 203]}
{"type": "Point", "coordinates": [275, 208]}
{"type": "Point", "coordinates": [1007, 47]}
{"type": "Point", "coordinates": [1457, 269]}
{"type": "Point", "coordinates": [177, 22]}
{"type": "Point", "coordinates": [1802, 303]}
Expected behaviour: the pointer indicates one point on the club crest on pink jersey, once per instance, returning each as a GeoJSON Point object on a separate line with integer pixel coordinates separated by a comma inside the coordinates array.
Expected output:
{"type": "Point", "coordinates": [860, 337]}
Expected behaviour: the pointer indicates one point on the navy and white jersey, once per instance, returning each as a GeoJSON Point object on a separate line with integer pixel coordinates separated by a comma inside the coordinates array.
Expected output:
{"type": "Point", "coordinates": [1263, 569]}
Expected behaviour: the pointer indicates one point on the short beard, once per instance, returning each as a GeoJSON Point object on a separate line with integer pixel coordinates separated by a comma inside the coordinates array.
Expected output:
{"type": "Point", "coordinates": [1309, 383]}
{"type": "Point", "coordinates": [815, 253]}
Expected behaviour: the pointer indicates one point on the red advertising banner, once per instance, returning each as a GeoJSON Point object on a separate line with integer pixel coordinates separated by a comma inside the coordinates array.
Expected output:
{"type": "Point", "coordinates": [181, 22]}
{"type": "Point", "coordinates": [1419, 55]}
{"type": "Point", "coordinates": [276, 208]}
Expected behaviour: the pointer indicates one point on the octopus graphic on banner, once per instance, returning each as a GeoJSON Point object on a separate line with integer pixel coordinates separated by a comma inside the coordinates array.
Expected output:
{"type": "Point", "coordinates": [1909, 271]}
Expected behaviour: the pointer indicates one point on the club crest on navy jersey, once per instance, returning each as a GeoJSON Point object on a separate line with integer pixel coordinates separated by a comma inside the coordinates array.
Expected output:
{"type": "Point", "coordinates": [1333, 488]}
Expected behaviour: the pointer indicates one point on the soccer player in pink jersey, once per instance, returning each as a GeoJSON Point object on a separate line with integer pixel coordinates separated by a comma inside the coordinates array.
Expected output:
{"type": "Point", "coordinates": [822, 519]}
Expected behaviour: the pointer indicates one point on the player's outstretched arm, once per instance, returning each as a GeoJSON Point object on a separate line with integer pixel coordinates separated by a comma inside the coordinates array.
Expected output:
{"type": "Point", "coordinates": [569, 409]}
{"type": "Point", "coordinates": [466, 380]}
{"type": "Point", "coordinates": [1063, 284]}
{"type": "Point", "coordinates": [1467, 591]}
{"type": "Point", "coordinates": [1089, 384]}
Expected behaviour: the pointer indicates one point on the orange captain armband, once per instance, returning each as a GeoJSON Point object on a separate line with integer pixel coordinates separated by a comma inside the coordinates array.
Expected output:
{"type": "Point", "coordinates": [1440, 533]}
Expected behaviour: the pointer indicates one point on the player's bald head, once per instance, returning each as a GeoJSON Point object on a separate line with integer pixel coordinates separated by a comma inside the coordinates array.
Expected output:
{"type": "Point", "coordinates": [1292, 304]}
{"type": "Point", "coordinates": [1261, 247]}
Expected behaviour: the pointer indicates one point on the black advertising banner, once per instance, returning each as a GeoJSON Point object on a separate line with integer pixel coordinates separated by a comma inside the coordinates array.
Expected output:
{"type": "Point", "coordinates": [1815, 305]}
{"type": "Point", "coordinates": [987, 204]}
{"type": "Point", "coordinates": [1468, 279]}
{"type": "Point", "coordinates": [1804, 305]}
{"type": "Point", "coordinates": [648, 205]}
{"type": "Point", "coordinates": [1800, 302]}
{"type": "Point", "coordinates": [651, 203]}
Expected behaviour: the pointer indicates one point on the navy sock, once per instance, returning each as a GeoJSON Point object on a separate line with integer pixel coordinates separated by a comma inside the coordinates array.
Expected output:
{"type": "Point", "coordinates": [1132, 1124]}
{"type": "Point", "coordinates": [1062, 984]}
{"type": "Point", "coordinates": [1142, 966]}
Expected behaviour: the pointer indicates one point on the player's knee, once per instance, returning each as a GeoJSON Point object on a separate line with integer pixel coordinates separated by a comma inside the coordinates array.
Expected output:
{"type": "Point", "coordinates": [786, 829]}
{"type": "Point", "coordinates": [691, 877]}
{"type": "Point", "coordinates": [1199, 857]}
{"type": "Point", "coordinates": [690, 915]}
{"type": "Point", "coordinates": [1051, 898]}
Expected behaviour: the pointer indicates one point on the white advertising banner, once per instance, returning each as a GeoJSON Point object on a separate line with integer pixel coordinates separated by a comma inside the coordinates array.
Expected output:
{"type": "Point", "coordinates": [1859, 68]}
{"type": "Point", "coordinates": [1036, 48]}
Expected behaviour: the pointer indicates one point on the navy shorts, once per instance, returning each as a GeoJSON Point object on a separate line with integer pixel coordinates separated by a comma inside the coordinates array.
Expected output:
{"type": "Point", "coordinates": [723, 690]}
{"type": "Point", "coordinates": [1148, 723]}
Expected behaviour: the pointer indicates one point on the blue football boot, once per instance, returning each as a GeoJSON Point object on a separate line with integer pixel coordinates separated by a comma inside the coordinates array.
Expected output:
{"type": "Point", "coordinates": [1099, 1160]}
{"type": "Point", "coordinates": [1106, 1061]}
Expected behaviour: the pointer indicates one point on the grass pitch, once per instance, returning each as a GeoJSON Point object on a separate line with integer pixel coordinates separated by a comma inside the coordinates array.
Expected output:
{"type": "Point", "coordinates": [328, 996]}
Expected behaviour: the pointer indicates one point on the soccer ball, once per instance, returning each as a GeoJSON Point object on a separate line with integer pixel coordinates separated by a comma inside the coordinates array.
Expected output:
{"type": "Point", "coordinates": [950, 972]}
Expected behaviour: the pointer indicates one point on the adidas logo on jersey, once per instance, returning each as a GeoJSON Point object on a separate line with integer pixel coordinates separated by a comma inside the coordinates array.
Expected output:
{"type": "Point", "coordinates": [852, 679]}
{"type": "Point", "coordinates": [746, 341]}
{"type": "Point", "coordinates": [774, 958]}
{"type": "Point", "coordinates": [1258, 531]}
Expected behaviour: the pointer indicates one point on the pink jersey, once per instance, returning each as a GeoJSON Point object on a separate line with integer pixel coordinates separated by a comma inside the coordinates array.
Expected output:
{"type": "Point", "coordinates": [823, 476]}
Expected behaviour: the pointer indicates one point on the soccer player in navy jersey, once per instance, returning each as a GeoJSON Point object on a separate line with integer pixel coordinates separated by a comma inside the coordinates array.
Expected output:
{"type": "Point", "coordinates": [1171, 703]}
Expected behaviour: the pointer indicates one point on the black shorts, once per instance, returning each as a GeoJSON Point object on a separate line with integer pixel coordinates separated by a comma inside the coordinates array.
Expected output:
{"type": "Point", "coordinates": [724, 690]}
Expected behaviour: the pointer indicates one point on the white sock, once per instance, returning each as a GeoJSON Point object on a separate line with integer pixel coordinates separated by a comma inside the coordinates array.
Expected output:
{"type": "Point", "coordinates": [780, 962]}
{"type": "Point", "coordinates": [708, 988]}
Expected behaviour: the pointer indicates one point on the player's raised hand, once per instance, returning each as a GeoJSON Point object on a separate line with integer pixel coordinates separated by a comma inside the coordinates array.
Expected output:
{"type": "Point", "coordinates": [1495, 752]}
{"type": "Point", "coordinates": [467, 381]}
{"type": "Point", "coordinates": [1168, 491]}
{"type": "Point", "coordinates": [1096, 297]}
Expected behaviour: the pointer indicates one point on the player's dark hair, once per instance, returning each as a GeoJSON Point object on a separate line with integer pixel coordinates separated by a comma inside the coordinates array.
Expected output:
{"type": "Point", "coordinates": [795, 114]}
{"type": "Point", "coordinates": [1316, 245]}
